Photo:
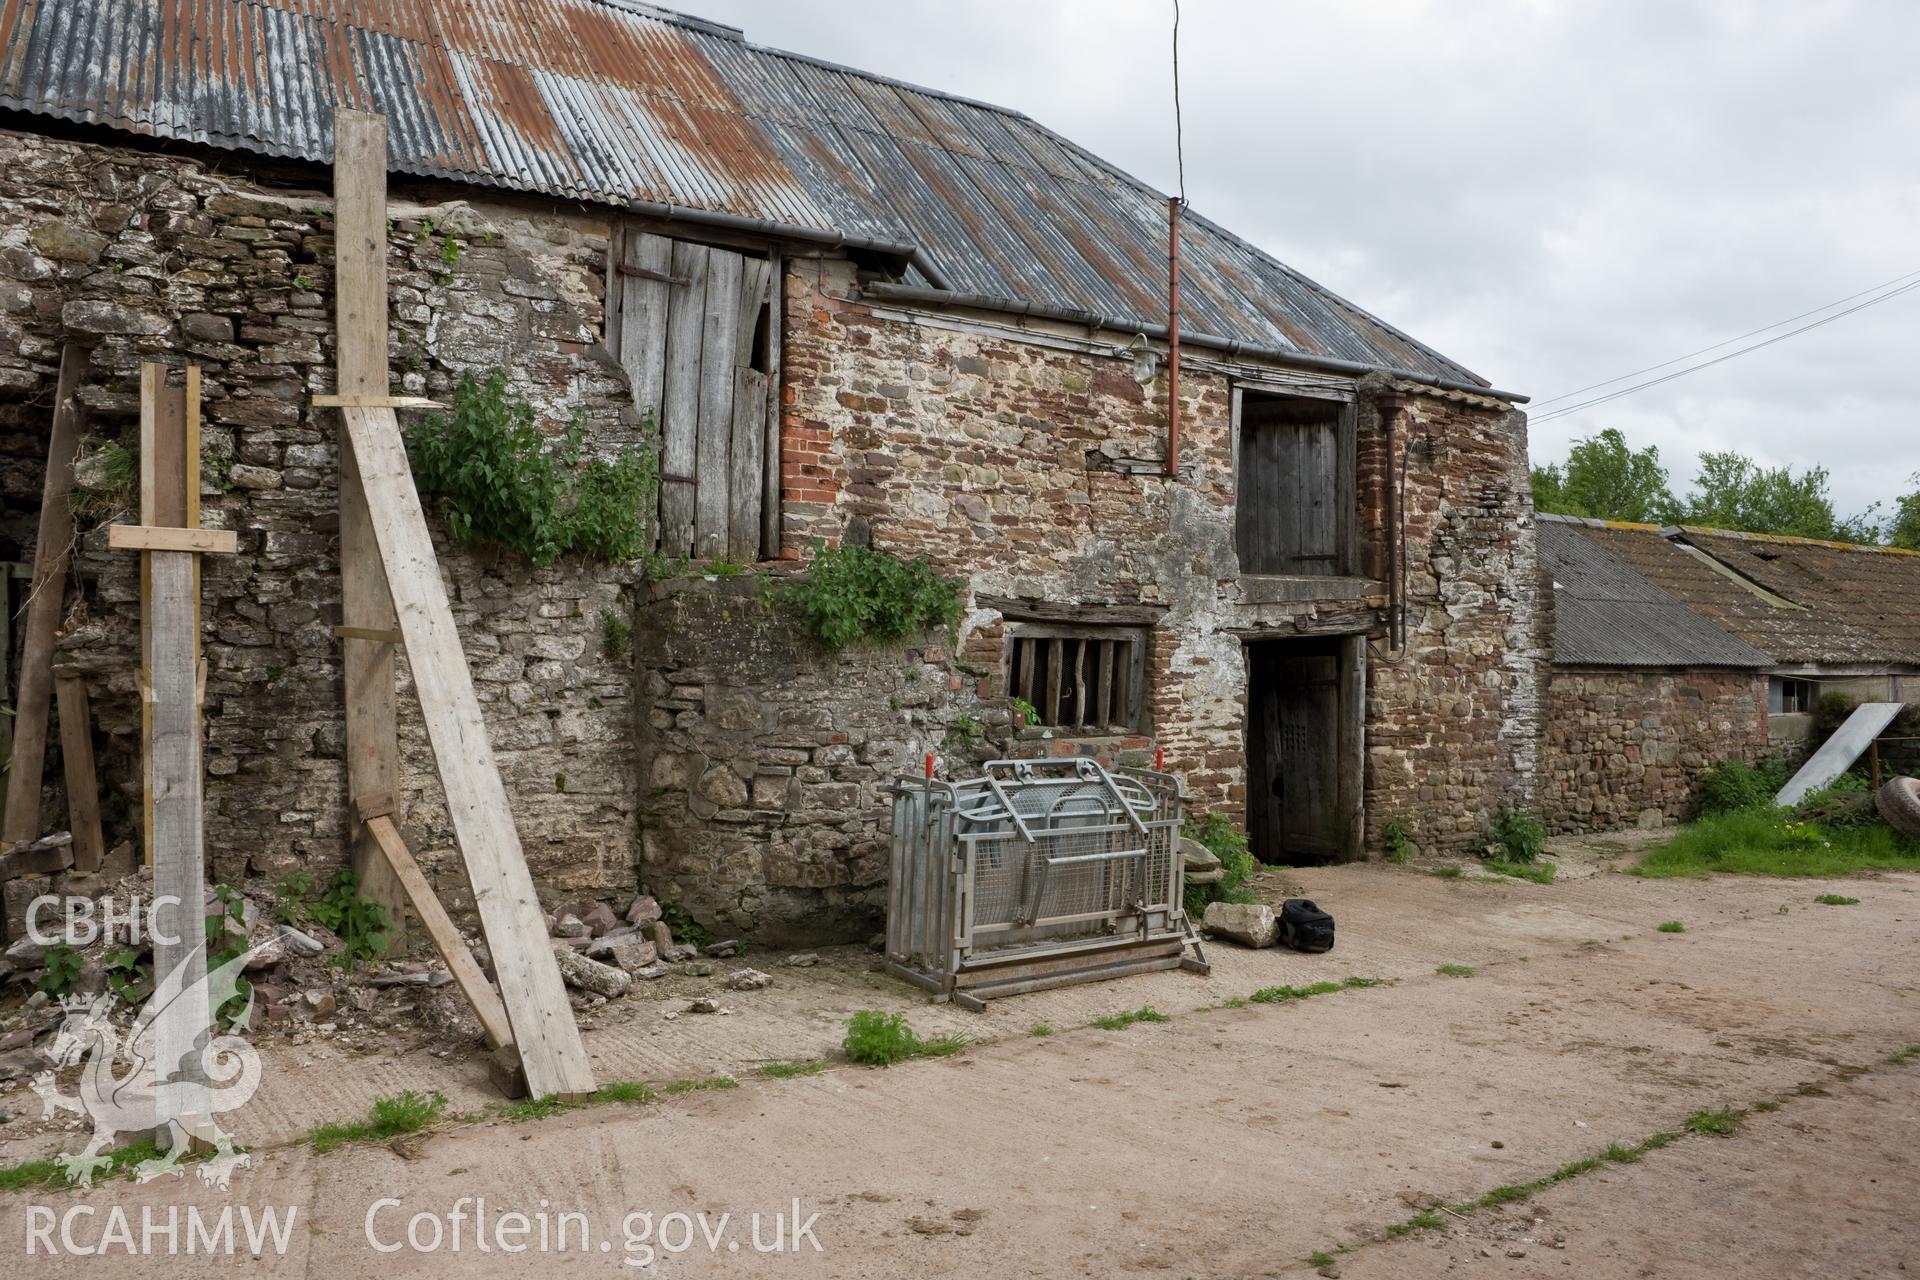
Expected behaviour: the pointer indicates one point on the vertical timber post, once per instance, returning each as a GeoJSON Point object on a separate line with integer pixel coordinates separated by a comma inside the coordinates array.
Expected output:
{"type": "Point", "coordinates": [366, 606]}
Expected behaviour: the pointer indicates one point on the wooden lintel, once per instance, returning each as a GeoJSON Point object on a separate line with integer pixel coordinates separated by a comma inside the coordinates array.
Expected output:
{"type": "Point", "coordinates": [375, 634]}
{"type": "Point", "coordinates": [376, 402]}
{"type": "Point", "coordinates": [1029, 610]}
{"type": "Point", "coordinates": [446, 938]}
{"type": "Point", "coordinates": [144, 537]}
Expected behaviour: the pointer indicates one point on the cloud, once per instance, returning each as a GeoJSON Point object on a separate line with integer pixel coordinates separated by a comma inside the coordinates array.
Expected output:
{"type": "Point", "coordinates": [1551, 193]}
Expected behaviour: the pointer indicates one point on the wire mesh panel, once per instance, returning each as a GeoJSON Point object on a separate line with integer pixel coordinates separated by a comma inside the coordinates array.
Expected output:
{"type": "Point", "coordinates": [1037, 873]}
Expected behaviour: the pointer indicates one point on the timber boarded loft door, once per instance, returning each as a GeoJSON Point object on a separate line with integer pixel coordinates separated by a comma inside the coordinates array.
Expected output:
{"type": "Point", "coordinates": [1303, 757]}
{"type": "Point", "coordinates": [1293, 511]}
{"type": "Point", "coordinates": [697, 330]}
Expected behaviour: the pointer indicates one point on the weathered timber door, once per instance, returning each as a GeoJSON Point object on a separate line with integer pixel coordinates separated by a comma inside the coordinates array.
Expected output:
{"type": "Point", "coordinates": [697, 330]}
{"type": "Point", "coordinates": [1293, 511]}
{"type": "Point", "coordinates": [1302, 758]}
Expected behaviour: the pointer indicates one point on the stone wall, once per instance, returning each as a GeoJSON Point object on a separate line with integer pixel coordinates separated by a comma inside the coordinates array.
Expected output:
{"type": "Point", "coordinates": [159, 257]}
{"type": "Point", "coordinates": [1026, 464]}
{"type": "Point", "coordinates": [1453, 727]}
{"type": "Point", "coordinates": [764, 759]}
{"type": "Point", "coordinates": [1621, 746]}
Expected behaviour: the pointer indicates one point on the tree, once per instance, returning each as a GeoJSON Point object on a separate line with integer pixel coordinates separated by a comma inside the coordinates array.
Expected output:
{"type": "Point", "coordinates": [1733, 491]}
{"type": "Point", "coordinates": [1905, 529]}
{"type": "Point", "coordinates": [1606, 480]}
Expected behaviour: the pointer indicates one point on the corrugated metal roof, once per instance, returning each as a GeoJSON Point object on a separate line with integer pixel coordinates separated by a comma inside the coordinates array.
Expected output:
{"type": "Point", "coordinates": [1606, 614]}
{"type": "Point", "coordinates": [610, 101]}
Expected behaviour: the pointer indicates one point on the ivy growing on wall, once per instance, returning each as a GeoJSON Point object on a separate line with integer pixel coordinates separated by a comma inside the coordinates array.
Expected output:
{"type": "Point", "coordinates": [496, 478]}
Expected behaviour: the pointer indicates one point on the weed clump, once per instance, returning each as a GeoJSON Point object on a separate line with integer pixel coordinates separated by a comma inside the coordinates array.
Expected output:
{"type": "Point", "coordinates": [854, 593]}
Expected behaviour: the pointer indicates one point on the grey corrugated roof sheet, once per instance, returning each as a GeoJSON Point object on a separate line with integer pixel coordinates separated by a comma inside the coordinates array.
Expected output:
{"type": "Point", "coordinates": [1605, 614]}
{"type": "Point", "coordinates": [610, 101]}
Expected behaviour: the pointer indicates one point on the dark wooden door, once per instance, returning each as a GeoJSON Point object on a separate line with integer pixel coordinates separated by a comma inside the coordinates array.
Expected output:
{"type": "Point", "coordinates": [1293, 752]}
{"type": "Point", "coordinates": [1291, 510]}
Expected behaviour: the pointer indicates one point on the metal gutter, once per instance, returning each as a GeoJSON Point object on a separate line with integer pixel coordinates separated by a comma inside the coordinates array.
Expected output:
{"type": "Point", "coordinates": [1231, 346]}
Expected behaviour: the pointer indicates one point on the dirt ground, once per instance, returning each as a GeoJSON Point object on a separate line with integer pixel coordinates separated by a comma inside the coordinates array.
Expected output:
{"type": "Point", "coordinates": [1232, 1140]}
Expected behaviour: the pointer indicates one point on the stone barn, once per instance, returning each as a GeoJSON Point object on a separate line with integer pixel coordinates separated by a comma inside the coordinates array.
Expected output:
{"type": "Point", "coordinates": [841, 310]}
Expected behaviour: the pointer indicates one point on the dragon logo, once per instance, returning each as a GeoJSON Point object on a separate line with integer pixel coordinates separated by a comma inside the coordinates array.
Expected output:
{"type": "Point", "coordinates": [221, 1074]}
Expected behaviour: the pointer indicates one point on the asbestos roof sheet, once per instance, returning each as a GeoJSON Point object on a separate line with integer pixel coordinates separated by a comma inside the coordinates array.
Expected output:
{"type": "Point", "coordinates": [1607, 614]}
{"type": "Point", "coordinates": [611, 101]}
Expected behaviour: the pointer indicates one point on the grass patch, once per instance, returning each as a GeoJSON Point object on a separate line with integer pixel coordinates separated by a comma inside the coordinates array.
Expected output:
{"type": "Point", "coordinates": [1505, 1195]}
{"type": "Point", "coordinates": [878, 1039]}
{"type": "Point", "coordinates": [1455, 971]}
{"type": "Point", "coordinates": [1319, 1258]}
{"type": "Point", "coordinates": [674, 1088]}
{"type": "Point", "coordinates": [1447, 873]}
{"type": "Point", "coordinates": [1772, 842]}
{"type": "Point", "coordinates": [1039, 1029]}
{"type": "Point", "coordinates": [406, 1112]}
{"type": "Point", "coordinates": [784, 1070]}
{"type": "Point", "coordinates": [1719, 1123]}
{"type": "Point", "coordinates": [1120, 1021]}
{"type": "Point", "coordinates": [628, 1091]}
{"type": "Point", "coordinates": [1672, 926]}
{"type": "Point", "coordinates": [1280, 995]}
{"type": "Point", "coordinates": [1538, 872]}
{"type": "Point", "coordinates": [1836, 900]}
{"type": "Point", "coordinates": [947, 1046]}
{"type": "Point", "coordinates": [1766, 1106]}
{"type": "Point", "coordinates": [541, 1108]}
{"type": "Point", "coordinates": [1901, 1055]}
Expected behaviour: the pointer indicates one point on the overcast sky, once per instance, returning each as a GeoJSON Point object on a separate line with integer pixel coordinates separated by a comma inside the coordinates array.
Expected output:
{"type": "Point", "coordinates": [1551, 193]}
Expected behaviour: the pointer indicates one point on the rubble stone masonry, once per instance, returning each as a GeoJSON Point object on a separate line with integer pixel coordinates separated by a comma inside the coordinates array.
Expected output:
{"type": "Point", "coordinates": [1620, 746]}
{"type": "Point", "coordinates": [158, 257]}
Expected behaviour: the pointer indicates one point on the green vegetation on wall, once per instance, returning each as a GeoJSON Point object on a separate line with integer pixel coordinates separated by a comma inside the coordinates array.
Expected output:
{"type": "Point", "coordinates": [497, 479]}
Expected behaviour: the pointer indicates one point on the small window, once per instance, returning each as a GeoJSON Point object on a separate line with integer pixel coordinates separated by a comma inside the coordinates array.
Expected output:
{"type": "Point", "coordinates": [1090, 679]}
{"type": "Point", "coordinates": [1789, 697]}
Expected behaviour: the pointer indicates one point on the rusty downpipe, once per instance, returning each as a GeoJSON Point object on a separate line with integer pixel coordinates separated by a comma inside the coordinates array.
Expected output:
{"type": "Point", "coordinates": [1173, 336]}
{"type": "Point", "coordinates": [1390, 415]}
{"type": "Point", "coordinates": [1395, 482]}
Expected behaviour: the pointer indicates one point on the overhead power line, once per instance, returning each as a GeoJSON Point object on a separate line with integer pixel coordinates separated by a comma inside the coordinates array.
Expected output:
{"type": "Point", "coordinates": [1765, 328]}
{"type": "Point", "coordinates": [1566, 410]}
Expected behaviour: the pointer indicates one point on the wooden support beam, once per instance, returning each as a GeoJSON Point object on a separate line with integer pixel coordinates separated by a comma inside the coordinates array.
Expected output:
{"type": "Point", "coordinates": [366, 606]}
{"type": "Point", "coordinates": [376, 402]}
{"type": "Point", "coordinates": [83, 785]}
{"type": "Point", "coordinates": [139, 537]}
{"type": "Point", "coordinates": [367, 634]}
{"type": "Point", "coordinates": [541, 1018]}
{"type": "Point", "coordinates": [163, 501]}
{"type": "Point", "coordinates": [179, 875]}
{"type": "Point", "coordinates": [52, 549]}
{"type": "Point", "coordinates": [446, 938]}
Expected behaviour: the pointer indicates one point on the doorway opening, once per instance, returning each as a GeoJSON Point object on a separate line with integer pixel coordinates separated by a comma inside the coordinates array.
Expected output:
{"type": "Point", "coordinates": [1304, 748]}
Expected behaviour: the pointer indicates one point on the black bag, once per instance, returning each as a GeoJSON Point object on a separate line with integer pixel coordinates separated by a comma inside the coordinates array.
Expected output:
{"type": "Point", "coordinates": [1305, 927]}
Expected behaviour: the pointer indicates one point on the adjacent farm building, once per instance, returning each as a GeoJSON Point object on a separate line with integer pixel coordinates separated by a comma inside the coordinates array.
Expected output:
{"type": "Point", "coordinates": [1676, 648]}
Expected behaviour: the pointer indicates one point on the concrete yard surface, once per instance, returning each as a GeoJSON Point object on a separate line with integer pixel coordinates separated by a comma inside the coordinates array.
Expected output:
{"type": "Point", "coordinates": [1234, 1140]}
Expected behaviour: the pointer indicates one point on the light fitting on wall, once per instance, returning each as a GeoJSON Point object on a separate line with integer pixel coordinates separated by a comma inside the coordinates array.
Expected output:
{"type": "Point", "coordinates": [1146, 361]}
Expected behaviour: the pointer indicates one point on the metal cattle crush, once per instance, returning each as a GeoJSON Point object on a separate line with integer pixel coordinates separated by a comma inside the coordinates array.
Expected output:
{"type": "Point", "coordinates": [1038, 873]}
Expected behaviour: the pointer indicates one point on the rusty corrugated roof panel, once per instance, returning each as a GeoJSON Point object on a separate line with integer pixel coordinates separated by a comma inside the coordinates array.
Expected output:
{"type": "Point", "coordinates": [612, 101]}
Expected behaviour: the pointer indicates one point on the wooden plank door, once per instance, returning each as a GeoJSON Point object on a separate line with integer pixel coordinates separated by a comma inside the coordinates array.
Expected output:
{"type": "Point", "coordinates": [697, 334]}
{"type": "Point", "coordinates": [1294, 751]}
